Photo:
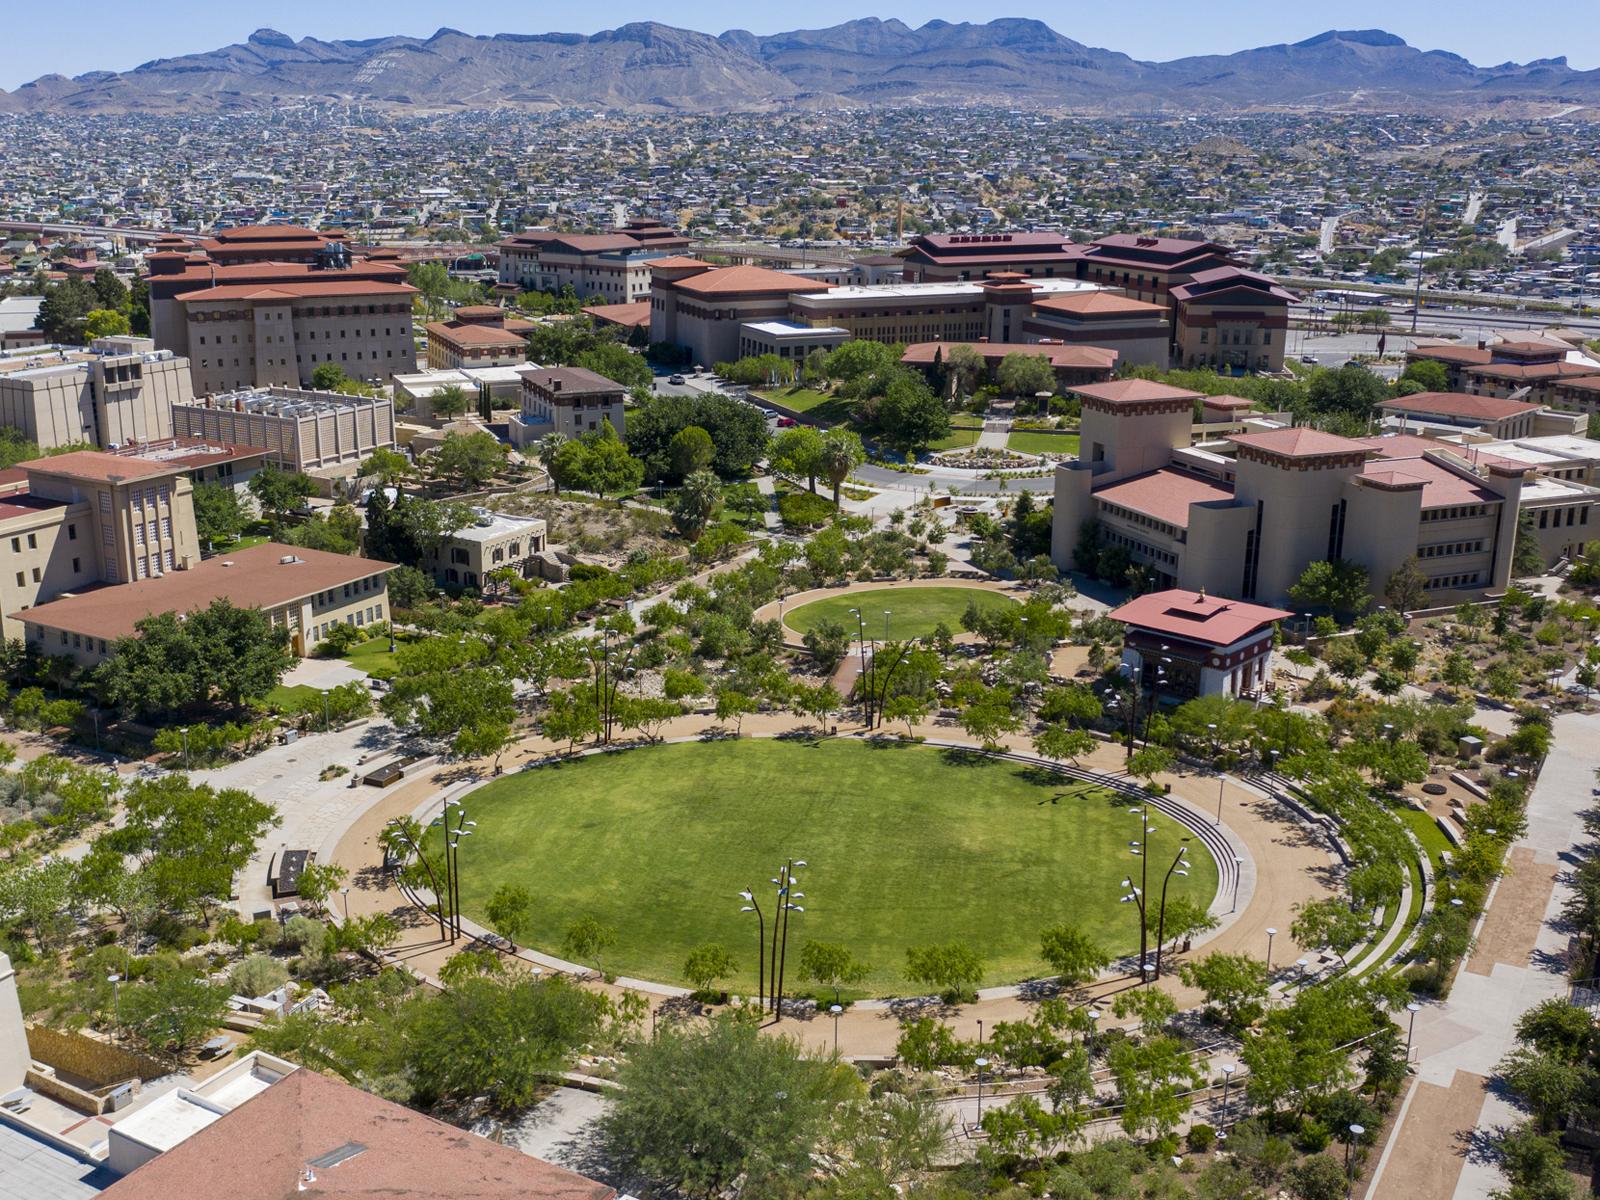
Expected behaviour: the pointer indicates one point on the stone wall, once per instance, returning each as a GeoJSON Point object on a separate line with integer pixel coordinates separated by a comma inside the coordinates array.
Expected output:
{"type": "Point", "coordinates": [90, 1060]}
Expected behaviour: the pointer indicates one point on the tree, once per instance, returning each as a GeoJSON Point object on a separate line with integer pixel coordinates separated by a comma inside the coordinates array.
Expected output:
{"type": "Point", "coordinates": [387, 467]}
{"type": "Point", "coordinates": [587, 939]}
{"type": "Point", "coordinates": [737, 430]}
{"type": "Point", "coordinates": [1429, 376]}
{"type": "Point", "coordinates": [698, 1108]}
{"type": "Point", "coordinates": [64, 309]}
{"type": "Point", "coordinates": [841, 452]}
{"type": "Point", "coordinates": [498, 1038]}
{"type": "Point", "coordinates": [990, 718]}
{"type": "Point", "coordinates": [617, 363]}
{"type": "Point", "coordinates": [257, 975]}
{"type": "Point", "coordinates": [734, 706]}
{"type": "Point", "coordinates": [861, 357]}
{"type": "Point", "coordinates": [1235, 985]}
{"type": "Point", "coordinates": [280, 492]}
{"type": "Point", "coordinates": [1340, 587]}
{"type": "Point", "coordinates": [828, 642]}
{"type": "Point", "coordinates": [468, 461]}
{"type": "Point", "coordinates": [1352, 391]}
{"type": "Point", "coordinates": [1063, 743]}
{"type": "Point", "coordinates": [953, 969]}
{"type": "Point", "coordinates": [510, 911]}
{"type": "Point", "coordinates": [1152, 1077]}
{"type": "Point", "coordinates": [1527, 558]}
{"type": "Point", "coordinates": [1319, 1177]}
{"type": "Point", "coordinates": [1407, 588]}
{"type": "Point", "coordinates": [103, 322]}
{"type": "Point", "coordinates": [329, 377]}
{"type": "Point", "coordinates": [218, 514]}
{"type": "Point", "coordinates": [691, 449]}
{"type": "Point", "coordinates": [174, 1011]}
{"type": "Point", "coordinates": [698, 500]}
{"type": "Point", "coordinates": [319, 880]}
{"type": "Point", "coordinates": [963, 367]}
{"type": "Point", "coordinates": [831, 965]}
{"type": "Point", "coordinates": [1021, 374]}
{"type": "Point", "coordinates": [708, 963]}
{"type": "Point", "coordinates": [797, 451]}
{"type": "Point", "coordinates": [449, 401]}
{"type": "Point", "coordinates": [1149, 761]}
{"type": "Point", "coordinates": [913, 710]}
{"type": "Point", "coordinates": [908, 414]}
{"type": "Point", "coordinates": [1073, 955]}
{"type": "Point", "coordinates": [110, 291]}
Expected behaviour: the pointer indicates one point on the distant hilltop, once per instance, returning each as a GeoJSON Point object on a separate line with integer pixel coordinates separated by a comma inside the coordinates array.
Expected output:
{"type": "Point", "coordinates": [647, 67]}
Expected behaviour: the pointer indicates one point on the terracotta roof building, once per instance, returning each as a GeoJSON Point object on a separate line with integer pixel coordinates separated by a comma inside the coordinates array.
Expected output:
{"type": "Point", "coordinates": [308, 1135]}
{"type": "Point", "coordinates": [478, 336]}
{"type": "Point", "coordinates": [571, 401]}
{"type": "Point", "coordinates": [307, 592]}
{"type": "Point", "coordinates": [972, 256]}
{"type": "Point", "coordinates": [610, 267]}
{"type": "Point", "coordinates": [1494, 415]}
{"type": "Point", "coordinates": [1182, 644]}
{"type": "Point", "coordinates": [1073, 365]}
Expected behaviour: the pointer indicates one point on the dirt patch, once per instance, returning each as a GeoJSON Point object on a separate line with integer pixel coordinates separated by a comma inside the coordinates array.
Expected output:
{"type": "Point", "coordinates": [1516, 916]}
{"type": "Point", "coordinates": [1431, 1146]}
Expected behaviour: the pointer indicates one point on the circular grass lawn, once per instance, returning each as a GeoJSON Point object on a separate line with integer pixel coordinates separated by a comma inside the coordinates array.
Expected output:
{"type": "Point", "coordinates": [907, 845]}
{"type": "Point", "coordinates": [914, 612]}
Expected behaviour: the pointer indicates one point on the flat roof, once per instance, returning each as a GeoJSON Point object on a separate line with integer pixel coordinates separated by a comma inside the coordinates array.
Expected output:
{"type": "Point", "coordinates": [952, 287]}
{"type": "Point", "coordinates": [100, 466]}
{"type": "Point", "coordinates": [1194, 616]}
{"type": "Point", "coordinates": [255, 577]}
{"type": "Point", "coordinates": [792, 328]}
{"type": "Point", "coordinates": [35, 1169]}
{"type": "Point", "coordinates": [490, 525]}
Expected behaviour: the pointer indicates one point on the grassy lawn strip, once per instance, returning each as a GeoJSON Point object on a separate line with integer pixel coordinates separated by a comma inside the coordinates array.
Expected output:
{"type": "Point", "coordinates": [914, 611]}
{"type": "Point", "coordinates": [815, 404]}
{"type": "Point", "coordinates": [1033, 442]}
{"type": "Point", "coordinates": [959, 436]}
{"type": "Point", "coordinates": [907, 846]}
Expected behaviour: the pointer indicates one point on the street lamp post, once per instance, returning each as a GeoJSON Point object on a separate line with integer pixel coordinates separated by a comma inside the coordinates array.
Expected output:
{"type": "Point", "coordinates": [1238, 870]}
{"type": "Point", "coordinates": [1094, 1029]}
{"type": "Point", "coordinates": [344, 892]}
{"type": "Point", "coordinates": [786, 898]}
{"type": "Point", "coordinates": [1161, 917]}
{"type": "Point", "coordinates": [1271, 933]}
{"type": "Point", "coordinates": [1413, 1008]}
{"type": "Point", "coordinates": [981, 1064]}
{"type": "Point", "coordinates": [185, 734]}
{"type": "Point", "coordinates": [1213, 727]}
{"type": "Point", "coordinates": [836, 1009]}
{"type": "Point", "coordinates": [1227, 1077]}
{"type": "Point", "coordinates": [115, 981]}
{"type": "Point", "coordinates": [749, 895]}
{"type": "Point", "coordinates": [1355, 1132]}
{"type": "Point", "coordinates": [326, 720]}
{"type": "Point", "coordinates": [433, 880]}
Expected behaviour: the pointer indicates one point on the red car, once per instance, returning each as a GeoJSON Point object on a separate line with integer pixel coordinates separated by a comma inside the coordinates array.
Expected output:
{"type": "Point", "coordinates": [785, 422]}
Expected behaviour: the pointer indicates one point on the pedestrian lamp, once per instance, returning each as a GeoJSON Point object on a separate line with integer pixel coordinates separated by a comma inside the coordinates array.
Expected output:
{"type": "Point", "coordinates": [1271, 933]}
{"type": "Point", "coordinates": [750, 905]}
{"type": "Point", "coordinates": [836, 1009]}
{"type": "Point", "coordinates": [116, 998]}
{"type": "Point", "coordinates": [1301, 964]}
{"type": "Point", "coordinates": [1355, 1132]}
{"type": "Point", "coordinates": [1094, 1027]}
{"type": "Point", "coordinates": [886, 615]}
{"type": "Point", "coordinates": [1238, 870]}
{"type": "Point", "coordinates": [326, 720]}
{"type": "Point", "coordinates": [981, 1064]}
{"type": "Point", "coordinates": [1413, 1008]}
{"type": "Point", "coordinates": [1227, 1078]}
{"type": "Point", "coordinates": [184, 732]}
{"type": "Point", "coordinates": [345, 893]}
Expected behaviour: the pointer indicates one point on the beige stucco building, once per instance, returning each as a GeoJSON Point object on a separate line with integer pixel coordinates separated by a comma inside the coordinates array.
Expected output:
{"type": "Point", "coordinates": [614, 266]}
{"type": "Point", "coordinates": [478, 335]}
{"type": "Point", "coordinates": [571, 401]}
{"type": "Point", "coordinates": [118, 390]}
{"type": "Point", "coordinates": [319, 433]}
{"type": "Point", "coordinates": [1244, 515]}
{"type": "Point", "coordinates": [493, 542]}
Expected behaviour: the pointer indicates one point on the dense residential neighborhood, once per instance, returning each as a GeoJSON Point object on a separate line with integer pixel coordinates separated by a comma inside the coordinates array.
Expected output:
{"type": "Point", "coordinates": [1113, 587]}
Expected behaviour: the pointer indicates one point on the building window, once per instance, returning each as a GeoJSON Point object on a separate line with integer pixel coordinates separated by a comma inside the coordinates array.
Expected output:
{"type": "Point", "coordinates": [72, 533]}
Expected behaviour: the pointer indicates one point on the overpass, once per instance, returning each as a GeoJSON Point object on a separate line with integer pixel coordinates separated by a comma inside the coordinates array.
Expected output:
{"type": "Point", "coordinates": [113, 233]}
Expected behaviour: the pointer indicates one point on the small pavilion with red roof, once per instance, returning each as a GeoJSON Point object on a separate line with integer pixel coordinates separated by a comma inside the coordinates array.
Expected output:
{"type": "Point", "coordinates": [1186, 644]}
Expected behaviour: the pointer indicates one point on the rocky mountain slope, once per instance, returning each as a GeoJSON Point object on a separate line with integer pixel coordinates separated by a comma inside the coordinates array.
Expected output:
{"type": "Point", "coordinates": [653, 67]}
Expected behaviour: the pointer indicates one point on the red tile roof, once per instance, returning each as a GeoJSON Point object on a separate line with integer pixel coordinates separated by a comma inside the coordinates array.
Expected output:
{"type": "Point", "coordinates": [263, 1150]}
{"type": "Point", "coordinates": [255, 577]}
{"type": "Point", "coordinates": [1226, 401]}
{"type": "Point", "coordinates": [1196, 617]}
{"type": "Point", "coordinates": [1450, 354]}
{"type": "Point", "coordinates": [1459, 404]}
{"type": "Point", "coordinates": [1060, 355]}
{"type": "Point", "coordinates": [1224, 279]}
{"type": "Point", "coordinates": [1098, 304]}
{"type": "Point", "coordinates": [468, 333]}
{"type": "Point", "coordinates": [1300, 442]}
{"type": "Point", "coordinates": [99, 466]}
{"type": "Point", "coordinates": [1441, 487]}
{"type": "Point", "coordinates": [627, 315]}
{"type": "Point", "coordinates": [320, 289]}
{"type": "Point", "coordinates": [747, 280]}
{"type": "Point", "coordinates": [1133, 391]}
{"type": "Point", "coordinates": [1164, 494]}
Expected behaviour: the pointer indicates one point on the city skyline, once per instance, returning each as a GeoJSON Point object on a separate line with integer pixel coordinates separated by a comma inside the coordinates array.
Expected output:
{"type": "Point", "coordinates": [116, 38]}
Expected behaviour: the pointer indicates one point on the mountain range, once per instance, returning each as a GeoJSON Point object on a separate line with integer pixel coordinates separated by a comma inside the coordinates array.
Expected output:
{"type": "Point", "coordinates": [651, 67]}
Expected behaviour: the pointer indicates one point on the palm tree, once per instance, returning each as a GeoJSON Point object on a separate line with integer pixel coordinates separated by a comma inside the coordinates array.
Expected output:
{"type": "Point", "coordinates": [549, 447]}
{"type": "Point", "coordinates": [697, 501]}
{"type": "Point", "coordinates": [841, 454]}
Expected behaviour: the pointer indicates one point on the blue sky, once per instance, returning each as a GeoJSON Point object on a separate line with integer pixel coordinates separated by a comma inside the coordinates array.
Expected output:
{"type": "Point", "coordinates": [117, 35]}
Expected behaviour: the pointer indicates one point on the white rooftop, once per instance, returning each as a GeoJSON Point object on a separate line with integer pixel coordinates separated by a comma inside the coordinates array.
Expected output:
{"type": "Point", "coordinates": [490, 526]}
{"type": "Point", "coordinates": [165, 1122]}
{"type": "Point", "coordinates": [930, 291]}
{"type": "Point", "coordinates": [1555, 448]}
{"type": "Point", "coordinates": [794, 329]}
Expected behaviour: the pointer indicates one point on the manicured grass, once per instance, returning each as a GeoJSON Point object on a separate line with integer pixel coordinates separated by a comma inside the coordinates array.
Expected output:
{"type": "Point", "coordinates": [820, 406]}
{"type": "Point", "coordinates": [287, 698]}
{"type": "Point", "coordinates": [959, 437]}
{"type": "Point", "coordinates": [1427, 832]}
{"type": "Point", "coordinates": [907, 846]}
{"type": "Point", "coordinates": [914, 611]}
{"type": "Point", "coordinates": [373, 656]}
{"type": "Point", "coordinates": [1032, 442]}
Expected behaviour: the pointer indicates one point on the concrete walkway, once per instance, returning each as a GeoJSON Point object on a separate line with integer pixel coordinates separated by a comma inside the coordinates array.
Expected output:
{"type": "Point", "coordinates": [1438, 1151]}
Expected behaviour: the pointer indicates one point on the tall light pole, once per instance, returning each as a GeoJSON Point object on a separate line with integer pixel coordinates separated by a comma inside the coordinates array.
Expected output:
{"type": "Point", "coordinates": [981, 1064]}
{"type": "Point", "coordinates": [836, 1009]}
{"type": "Point", "coordinates": [749, 896]}
{"type": "Point", "coordinates": [1213, 727]}
{"type": "Point", "coordinates": [1161, 918]}
{"type": "Point", "coordinates": [1271, 933]}
{"type": "Point", "coordinates": [1238, 870]}
{"type": "Point", "coordinates": [433, 880]}
{"type": "Point", "coordinates": [1413, 1008]}
{"type": "Point", "coordinates": [786, 897]}
{"type": "Point", "coordinates": [344, 892]}
{"type": "Point", "coordinates": [185, 734]}
{"type": "Point", "coordinates": [1355, 1132]}
{"type": "Point", "coordinates": [1227, 1077]}
{"type": "Point", "coordinates": [116, 999]}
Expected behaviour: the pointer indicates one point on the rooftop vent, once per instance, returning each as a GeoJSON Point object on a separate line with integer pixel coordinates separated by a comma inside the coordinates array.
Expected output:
{"type": "Point", "coordinates": [336, 1156]}
{"type": "Point", "coordinates": [289, 560]}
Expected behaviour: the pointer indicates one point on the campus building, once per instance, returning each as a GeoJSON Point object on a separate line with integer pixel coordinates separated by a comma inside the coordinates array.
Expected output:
{"type": "Point", "coordinates": [317, 433]}
{"type": "Point", "coordinates": [1493, 416]}
{"type": "Point", "coordinates": [493, 542]}
{"type": "Point", "coordinates": [612, 266]}
{"type": "Point", "coordinates": [1242, 515]}
{"type": "Point", "coordinates": [306, 592]}
{"type": "Point", "coordinates": [945, 257]}
{"type": "Point", "coordinates": [119, 389]}
{"type": "Point", "coordinates": [1538, 371]}
{"type": "Point", "coordinates": [1073, 365]}
{"type": "Point", "coordinates": [1181, 644]}
{"type": "Point", "coordinates": [478, 335]}
{"type": "Point", "coordinates": [245, 317]}
{"type": "Point", "coordinates": [571, 401]}
{"type": "Point", "coordinates": [1231, 320]}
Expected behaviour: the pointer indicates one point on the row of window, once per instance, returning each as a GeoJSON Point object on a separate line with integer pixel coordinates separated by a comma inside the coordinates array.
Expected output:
{"type": "Point", "coordinates": [1575, 514]}
{"type": "Point", "coordinates": [310, 336]}
{"type": "Point", "coordinates": [1455, 513]}
{"type": "Point", "coordinates": [365, 616]}
{"type": "Point", "coordinates": [1444, 549]}
{"type": "Point", "coordinates": [1137, 547]}
{"type": "Point", "coordinates": [79, 642]}
{"type": "Point", "coordinates": [146, 565]}
{"type": "Point", "coordinates": [1456, 581]}
{"type": "Point", "coordinates": [1240, 338]}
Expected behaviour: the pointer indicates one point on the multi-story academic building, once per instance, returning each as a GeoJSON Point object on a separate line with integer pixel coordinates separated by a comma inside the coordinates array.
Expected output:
{"type": "Point", "coordinates": [613, 266]}
{"type": "Point", "coordinates": [478, 335]}
{"type": "Point", "coordinates": [318, 433]}
{"type": "Point", "coordinates": [118, 390]}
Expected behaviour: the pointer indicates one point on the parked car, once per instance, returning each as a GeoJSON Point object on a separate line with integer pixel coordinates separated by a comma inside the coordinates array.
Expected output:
{"type": "Point", "coordinates": [678, 380]}
{"type": "Point", "coordinates": [785, 422]}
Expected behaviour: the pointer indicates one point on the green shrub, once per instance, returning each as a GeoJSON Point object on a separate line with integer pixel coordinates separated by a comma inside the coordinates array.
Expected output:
{"type": "Point", "coordinates": [257, 975]}
{"type": "Point", "coordinates": [1201, 1138]}
{"type": "Point", "coordinates": [304, 934]}
{"type": "Point", "coordinates": [804, 510]}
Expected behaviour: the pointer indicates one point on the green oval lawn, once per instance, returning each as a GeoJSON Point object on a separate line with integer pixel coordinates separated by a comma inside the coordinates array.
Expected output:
{"type": "Point", "coordinates": [914, 612]}
{"type": "Point", "coordinates": [907, 845]}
